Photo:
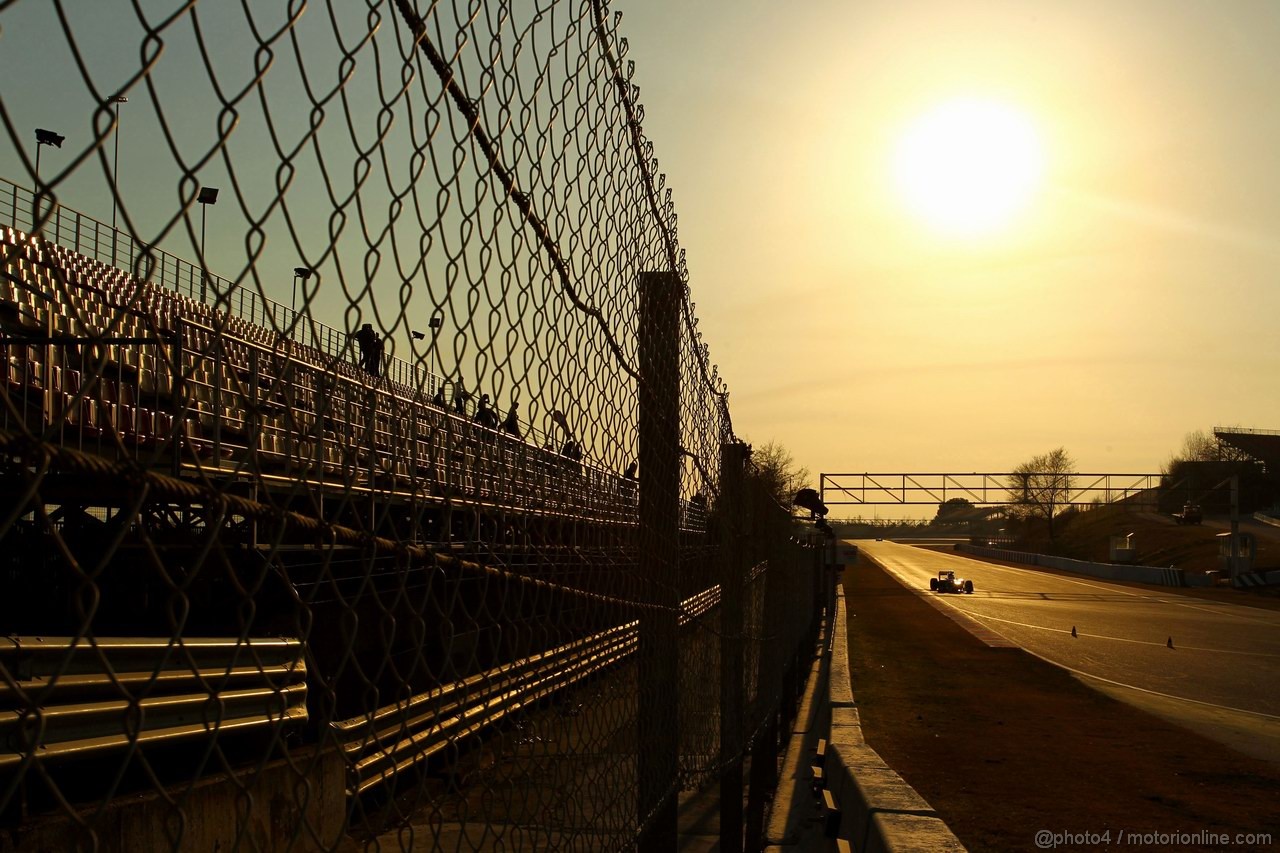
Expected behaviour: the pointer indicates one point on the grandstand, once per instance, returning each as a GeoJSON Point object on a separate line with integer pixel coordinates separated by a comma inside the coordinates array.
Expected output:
{"type": "Point", "coordinates": [167, 371]}
{"type": "Point", "coordinates": [1262, 445]}
{"type": "Point", "coordinates": [150, 379]}
{"type": "Point", "coordinates": [255, 594]}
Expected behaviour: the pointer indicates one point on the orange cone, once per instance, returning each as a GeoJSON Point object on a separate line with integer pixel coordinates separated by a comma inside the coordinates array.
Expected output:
{"type": "Point", "coordinates": [1073, 631]}
{"type": "Point", "coordinates": [1170, 643]}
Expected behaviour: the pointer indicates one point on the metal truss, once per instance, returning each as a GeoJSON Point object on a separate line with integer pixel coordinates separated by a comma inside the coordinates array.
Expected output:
{"type": "Point", "coordinates": [980, 489]}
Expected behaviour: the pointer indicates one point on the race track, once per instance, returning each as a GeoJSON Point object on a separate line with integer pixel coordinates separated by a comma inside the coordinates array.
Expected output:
{"type": "Point", "coordinates": [1220, 678]}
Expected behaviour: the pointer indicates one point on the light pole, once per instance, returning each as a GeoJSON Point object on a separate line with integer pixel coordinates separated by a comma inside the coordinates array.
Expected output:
{"type": "Point", "coordinates": [208, 196]}
{"type": "Point", "coordinates": [437, 320]}
{"type": "Point", "coordinates": [43, 137]}
{"type": "Point", "coordinates": [303, 273]}
{"type": "Point", "coordinates": [115, 173]}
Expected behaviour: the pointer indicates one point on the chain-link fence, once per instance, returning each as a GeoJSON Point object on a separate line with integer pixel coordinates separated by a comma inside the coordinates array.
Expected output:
{"type": "Point", "coordinates": [385, 496]}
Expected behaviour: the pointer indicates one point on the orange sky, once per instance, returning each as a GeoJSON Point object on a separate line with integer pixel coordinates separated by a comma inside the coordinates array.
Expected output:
{"type": "Point", "coordinates": [1135, 300]}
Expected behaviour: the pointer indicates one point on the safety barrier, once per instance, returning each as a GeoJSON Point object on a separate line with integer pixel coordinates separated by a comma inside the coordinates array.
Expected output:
{"type": "Point", "coordinates": [1154, 575]}
{"type": "Point", "coordinates": [867, 802]}
{"type": "Point", "coordinates": [76, 697]}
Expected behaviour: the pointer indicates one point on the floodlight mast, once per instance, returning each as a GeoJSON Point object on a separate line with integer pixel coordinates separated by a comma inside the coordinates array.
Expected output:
{"type": "Point", "coordinates": [43, 138]}
{"type": "Point", "coordinates": [208, 196]}
{"type": "Point", "coordinates": [115, 174]}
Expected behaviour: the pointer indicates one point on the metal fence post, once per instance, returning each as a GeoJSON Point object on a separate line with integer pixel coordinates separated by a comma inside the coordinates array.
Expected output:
{"type": "Point", "coordinates": [733, 456]}
{"type": "Point", "coordinates": [771, 524]}
{"type": "Point", "coordinates": [657, 706]}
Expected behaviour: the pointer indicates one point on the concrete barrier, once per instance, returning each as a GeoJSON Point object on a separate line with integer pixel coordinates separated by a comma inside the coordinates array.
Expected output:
{"type": "Point", "coordinates": [294, 798]}
{"type": "Point", "coordinates": [878, 810]}
{"type": "Point", "coordinates": [792, 808]}
{"type": "Point", "coordinates": [1153, 575]}
{"type": "Point", "coordinates": [1249, 579]}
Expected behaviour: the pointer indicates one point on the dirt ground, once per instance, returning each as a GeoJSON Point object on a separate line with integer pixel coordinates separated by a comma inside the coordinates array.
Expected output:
{"type": "Point", "coordinates": [1004, 745]}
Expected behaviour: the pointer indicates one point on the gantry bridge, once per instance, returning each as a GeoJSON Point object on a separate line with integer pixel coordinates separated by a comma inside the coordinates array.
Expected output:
{"type": "Point", "coordinates": [982, 489]}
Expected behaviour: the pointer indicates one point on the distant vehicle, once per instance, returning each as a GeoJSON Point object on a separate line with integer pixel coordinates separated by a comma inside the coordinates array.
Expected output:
{"type": "Point", "coordinates": [948, 582]}
{"type": "Point", "coordinates": [879, 538]}
{"type": "Point", "coordinates": [1190, 514]}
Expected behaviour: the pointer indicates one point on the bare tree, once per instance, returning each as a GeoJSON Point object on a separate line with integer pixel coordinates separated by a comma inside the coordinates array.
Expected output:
{"type": "Point", "coordinates": [1201, 446]}
{"type": "Point", "coordinates": [777, 472]}
{"type": "Point", "coordinates": [1042, 486]}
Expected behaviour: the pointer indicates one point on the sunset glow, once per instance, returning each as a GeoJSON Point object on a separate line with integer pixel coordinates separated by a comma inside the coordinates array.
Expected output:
{"type": "Point", "coordinates": [968, 167]}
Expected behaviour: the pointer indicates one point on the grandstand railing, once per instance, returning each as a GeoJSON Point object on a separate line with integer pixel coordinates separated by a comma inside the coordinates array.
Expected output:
{"type": "Point", "coordinates": [1245, 431]}
{"type": "Point", "coordinates": [95, 239]}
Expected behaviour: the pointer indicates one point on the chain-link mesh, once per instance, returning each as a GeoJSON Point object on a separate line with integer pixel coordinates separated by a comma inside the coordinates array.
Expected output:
{"type": "Point", "coordinates": [455, 548]}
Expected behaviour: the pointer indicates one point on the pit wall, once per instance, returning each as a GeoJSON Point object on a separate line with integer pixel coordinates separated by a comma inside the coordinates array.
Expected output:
{"type": "Point", "coordinates": [876, 809]}
{"type": "Point", "coordinates": [1153, 575]}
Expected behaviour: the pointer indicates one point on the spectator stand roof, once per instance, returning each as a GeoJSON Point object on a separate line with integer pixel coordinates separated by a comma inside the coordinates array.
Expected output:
{"type": "Point", "coordinates": [1261, 444]}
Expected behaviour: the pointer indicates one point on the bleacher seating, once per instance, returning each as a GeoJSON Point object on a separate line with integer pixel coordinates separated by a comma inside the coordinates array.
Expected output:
{"type": "Point", "coordinates": [132, 368]}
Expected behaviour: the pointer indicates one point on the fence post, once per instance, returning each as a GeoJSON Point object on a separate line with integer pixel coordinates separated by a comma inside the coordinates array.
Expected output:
{"type": "Point", "coordinates": [771, 524]}
{"type": "Point", "coordinates": [180, 413]}
{"type": "Point", "coordinates": [658, 703]}
{"type": "Point", "coordinates": [733, 456]}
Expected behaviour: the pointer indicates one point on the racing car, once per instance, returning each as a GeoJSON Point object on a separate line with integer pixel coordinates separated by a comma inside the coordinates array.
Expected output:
{"type": "Point", "coordinates": [948, 582]}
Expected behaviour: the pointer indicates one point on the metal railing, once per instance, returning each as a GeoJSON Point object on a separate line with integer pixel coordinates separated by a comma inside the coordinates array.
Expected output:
{"type": "Point", "coordinates": [1245, 431]}
{"type": "Point", "coordinates": [394, 738]}
{"type": "Point", "coordinates": [152, 690]}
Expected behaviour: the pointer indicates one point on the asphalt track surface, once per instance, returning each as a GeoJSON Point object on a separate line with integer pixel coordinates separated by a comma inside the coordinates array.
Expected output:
{"type": "Point", "coordinates": [1221, 678]}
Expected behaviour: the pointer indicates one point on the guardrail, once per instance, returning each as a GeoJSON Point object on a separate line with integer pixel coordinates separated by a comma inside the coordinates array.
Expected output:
{"type": "Point", "coordinates": [396, 737]}
{"type": "Point", "coordinates": [1154, 575]}
{"type": "Point", "coordinates": [74, 697]}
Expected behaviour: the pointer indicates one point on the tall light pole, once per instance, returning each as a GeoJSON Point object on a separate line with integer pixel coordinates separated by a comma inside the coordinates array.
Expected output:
{"type": "Point", "coordinates": [115, 174]}
{"type": "Point", "coordinates": [437, 320]}
{"type": "Point", "coordinates": [208, 196]}
{"type": "Point", "coordinates": [303, 273]}
{"type": "Point", "coordinates": [43, 137]}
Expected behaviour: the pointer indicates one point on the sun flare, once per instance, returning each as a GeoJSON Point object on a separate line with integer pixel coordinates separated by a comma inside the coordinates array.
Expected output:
{"type": "Point", "coordinates": [968, 167]}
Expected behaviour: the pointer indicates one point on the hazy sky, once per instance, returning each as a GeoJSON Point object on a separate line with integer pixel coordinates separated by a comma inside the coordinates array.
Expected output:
{"type": "Point", "coordinates": [1133, 299]}
{"type": "Point", "coordinates": [1136, 298]}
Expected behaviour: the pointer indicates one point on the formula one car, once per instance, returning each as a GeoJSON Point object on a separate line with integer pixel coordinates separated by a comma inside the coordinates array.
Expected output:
{"type": "Point", "coordinates": [948, 582]}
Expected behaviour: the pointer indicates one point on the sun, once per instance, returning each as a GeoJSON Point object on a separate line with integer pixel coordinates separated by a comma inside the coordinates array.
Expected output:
{"type": "Point", "coordinates": [969, 166]}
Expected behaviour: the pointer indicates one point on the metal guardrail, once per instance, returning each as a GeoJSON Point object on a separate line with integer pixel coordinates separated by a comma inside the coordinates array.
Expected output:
{"type": "Point", "coordinates": [70, 697]}
{"type": "Point", "coordinates": [396, 737]}
{"type": "Point", "coordinates": [1245, 431]}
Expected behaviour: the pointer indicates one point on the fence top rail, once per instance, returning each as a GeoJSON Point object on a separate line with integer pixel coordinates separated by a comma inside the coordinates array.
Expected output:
{"type": "Point", "coordinates": [1244, 431]}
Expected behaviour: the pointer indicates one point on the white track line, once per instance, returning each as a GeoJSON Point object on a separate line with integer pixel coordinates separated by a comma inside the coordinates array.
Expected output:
{"type": "Point", "coordinates": [1084, 674]}
{"type": "Point", "coordinates": [1116, 588]}
{"type": "Point", "coordinates": [982, 616]}
{"type": "Point", "coordinates": [1114, 683]}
